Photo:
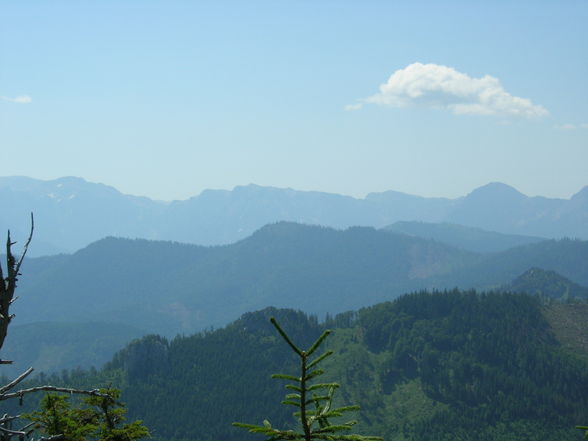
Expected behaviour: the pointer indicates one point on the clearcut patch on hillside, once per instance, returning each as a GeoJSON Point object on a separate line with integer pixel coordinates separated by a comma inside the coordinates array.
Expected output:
{"type": "Point", "coordinates": [570, 325]}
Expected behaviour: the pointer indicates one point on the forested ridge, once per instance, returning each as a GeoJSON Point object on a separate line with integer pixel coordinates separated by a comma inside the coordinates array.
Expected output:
{"type": "Point", "coordinates": [547, 284]}
{"type": "Point", "coordinates": [460, 236]}
{"type": "Point", "coordinates": [166, 287]}
{"type": "Point", "coordinates": [449, 365]}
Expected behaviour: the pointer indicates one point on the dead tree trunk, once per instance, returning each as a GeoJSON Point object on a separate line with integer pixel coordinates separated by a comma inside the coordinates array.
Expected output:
{"type": "Point", "coordinates": [8, 284]}
{"type": "Point", "coordinates": [7, 298]}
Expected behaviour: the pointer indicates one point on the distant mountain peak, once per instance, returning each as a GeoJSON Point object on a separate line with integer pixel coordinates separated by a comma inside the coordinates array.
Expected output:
{"type": "Point", "coordinates": [256, 189]}
{"type": "Point", "coordinates": [547, 283]}
{"type": "Point", "coordinates": [392, 195]}
{"type": "Point", "coordinates": [31, 185]}
{"type": "Point", "coordinates": [582, 194]}
{"type": "Point", "coordinates": [494, 190]}
{"type": "Point", "coordinates": [70, 180]}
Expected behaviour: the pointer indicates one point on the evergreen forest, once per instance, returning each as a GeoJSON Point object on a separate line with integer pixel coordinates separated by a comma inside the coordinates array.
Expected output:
{"type": "Point", "coordinates": [450, 365]}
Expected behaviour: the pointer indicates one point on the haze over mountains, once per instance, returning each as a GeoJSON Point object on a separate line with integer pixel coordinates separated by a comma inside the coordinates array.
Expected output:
{"type": "Point", "coordinates": [459, 236]}
{"type": "Point", "coordinates": [167, 287]}
{"type": "Point", "coordinates": [71, 212]}
{"type": "Point", "coordinates": [143, 286]}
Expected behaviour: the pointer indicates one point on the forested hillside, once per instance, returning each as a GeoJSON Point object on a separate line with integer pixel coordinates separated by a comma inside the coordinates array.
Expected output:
{"type": "Point", "coordinates": [54, 346]}
{"type": "Point", "coordinates": [459, 236]}
{"type": "Point", "coordinates": [548, 285]}
{"type": "Point", "coordinates": [567, 257]}
{"type": "Point", "coordinates": [428, 366]}
{"type": "Point", "coordinates": [167, 288]}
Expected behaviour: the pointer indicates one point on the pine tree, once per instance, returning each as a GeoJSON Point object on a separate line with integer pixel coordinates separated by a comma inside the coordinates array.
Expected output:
{"type": "Point", "coordinates": [97, 418]}
{"type": "Point", "coordinates": [314, 401]}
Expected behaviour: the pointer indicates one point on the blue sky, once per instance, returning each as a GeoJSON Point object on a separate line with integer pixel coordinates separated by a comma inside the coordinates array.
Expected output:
{"type": "Point", "coordinates": [167, 98]}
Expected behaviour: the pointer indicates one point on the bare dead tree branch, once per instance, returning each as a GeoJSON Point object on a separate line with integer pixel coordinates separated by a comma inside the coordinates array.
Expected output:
{"type": "Point", "coordinates": [49, 438]}
{"type": "Point", "coordinates": [17, 380]}
{"type": "Point", "coordinates": [6, 418]}
{"type": "Point", "coordinates": [8, 282]}
{"type": "Point", "coordinates": [8, 285]}
{"type": "Point", "coordinates": [28, 426]}
{"type": "Point", "coordinates": [68, 390]}
{"type": "Point", "coordinates": [26, 247]}
{"type": "Point", "coordinates": [12, 432]}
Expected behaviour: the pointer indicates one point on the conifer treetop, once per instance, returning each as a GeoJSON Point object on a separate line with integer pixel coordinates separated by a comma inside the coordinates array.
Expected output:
{"type": "Point", "coordinates": [313, 401]}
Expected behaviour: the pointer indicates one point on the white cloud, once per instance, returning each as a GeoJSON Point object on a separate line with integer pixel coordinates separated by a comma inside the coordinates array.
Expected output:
{"type": "Point", "coordinates": [351, 107]}
{"type": "Point", "coordinates": [22, 99]}
{"type": "Point", "coordinates": [436, 86]}
{"type": "Point", "coordinates": [567, 126]}
{"type": "Point", "coordinates": [570, 126]}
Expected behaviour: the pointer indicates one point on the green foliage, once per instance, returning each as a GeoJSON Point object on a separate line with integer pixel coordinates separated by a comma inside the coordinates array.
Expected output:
{"type": "Point", "coordinates": [429, 367]}
{"type": "Point", "coordinates": [567, 320]}
{"type": "Point", "coordinates": [491, 358]}
{"type": "Point", "coordinates": [97, 418]}
{"type": "Point", "coordinates": [315, 422]}
{"type": "Point", "coordinates": [57, 417]}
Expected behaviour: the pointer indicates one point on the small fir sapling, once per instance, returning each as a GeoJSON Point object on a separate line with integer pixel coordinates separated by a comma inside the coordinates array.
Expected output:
{"type": "Point", "coordinates": [314, 401]}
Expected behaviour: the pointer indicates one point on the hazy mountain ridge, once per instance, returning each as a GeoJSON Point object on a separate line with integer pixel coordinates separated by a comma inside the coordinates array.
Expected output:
{"type": "Point", "coordinates": [173, 287]}
{"type": "Point", "coordinates": [567, 257]}
{"type": "Point", "coordinates": [53, 346]}
{"type": "Point", "coordinates": [169, 287]}
{"type": "Point", "coordinates": [71, 212]}
{"type": "Point", "coordinates": [467, 238]}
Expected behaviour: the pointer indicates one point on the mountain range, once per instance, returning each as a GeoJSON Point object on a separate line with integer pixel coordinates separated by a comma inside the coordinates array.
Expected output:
{"type": "Point", "coordinates": [72, 213]}
{"type": "Point", "coordinates": [490, 365]}
{"type": "Point", "coordinates": [133, 287]}
{"type": "Point", "coordinates": [171, 288]}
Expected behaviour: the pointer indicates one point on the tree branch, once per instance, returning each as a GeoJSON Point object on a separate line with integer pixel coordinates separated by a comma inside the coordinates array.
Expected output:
{"type": "Point", "coordinates": [12, 432]}
{"type": "Point", "coordinates": [22, 392]}
{"type": "Point", "coordinates": [26, 247]}
{"type": "Point", "coordinates": [17, 380]}
{"type": "Point", "coordinates": [50, 438]}
{"type": "Point", "coordinates": [7, 418]}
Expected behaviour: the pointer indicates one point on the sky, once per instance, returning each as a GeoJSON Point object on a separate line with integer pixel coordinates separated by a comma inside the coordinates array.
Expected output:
{"type": "Point", "coordinates": [167, 98]}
